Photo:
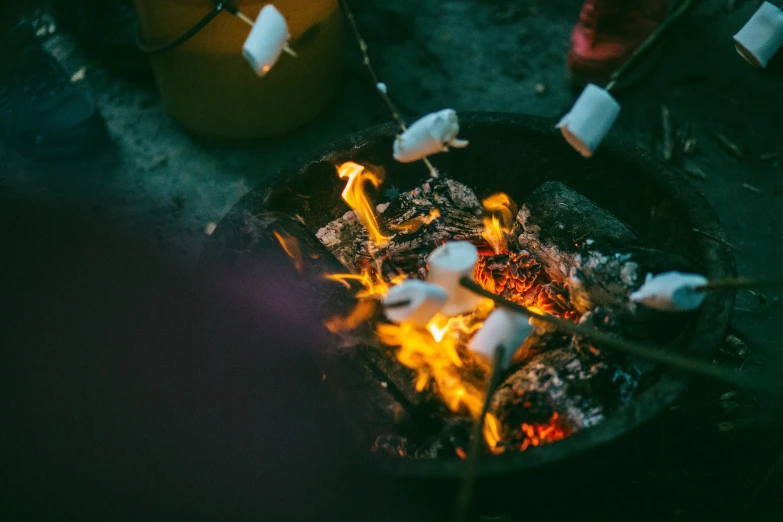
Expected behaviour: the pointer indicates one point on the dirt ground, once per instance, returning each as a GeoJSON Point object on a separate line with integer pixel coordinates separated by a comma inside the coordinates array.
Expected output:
{"type": "Point", "coordinates": [716, 456]}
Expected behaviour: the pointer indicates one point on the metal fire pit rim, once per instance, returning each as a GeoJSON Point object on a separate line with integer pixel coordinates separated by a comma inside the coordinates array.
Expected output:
{"type": "Point", "coordinates": [715, 312]}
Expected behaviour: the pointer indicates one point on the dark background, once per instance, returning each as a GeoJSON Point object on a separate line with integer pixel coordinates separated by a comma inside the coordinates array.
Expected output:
{"type": "Point", "coordinates": [132, 392]}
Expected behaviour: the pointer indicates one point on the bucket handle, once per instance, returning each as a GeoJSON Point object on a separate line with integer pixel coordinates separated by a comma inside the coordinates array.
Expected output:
{"type": "Point", "coordinates": [190, 33]}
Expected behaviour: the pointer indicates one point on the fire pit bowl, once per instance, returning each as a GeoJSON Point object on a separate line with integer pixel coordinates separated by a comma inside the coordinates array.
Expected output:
{"type": "Point", "coordinates": [515, 154]}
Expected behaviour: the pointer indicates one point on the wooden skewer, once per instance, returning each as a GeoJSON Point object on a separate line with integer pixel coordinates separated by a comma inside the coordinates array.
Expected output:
{"type": "Point", "coordinates": [717, 239]}
{"type": "Point", "coordinates": [648, 44]}
{"type": "Point", "coordinates": [465, 498]}
{"type": "Point", "coordinates": [395, 114]}
{"type": "Point", "coordinates": [656, 354]}
{"type": "Point", "coordinates": [738, 284]}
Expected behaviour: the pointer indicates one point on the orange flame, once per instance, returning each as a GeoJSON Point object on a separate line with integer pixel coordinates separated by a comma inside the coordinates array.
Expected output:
{"type": "Point", "coordinates": [354, 195]}
{"type": "Point", "coordinates": [499, 215]}
{"type": "Point", "coordinates": [363, 311]}
{"type": "Point", "coordinates": [291, 247]}
{"type": "Point", "coordinates": [371, 280]}
{"type": "Point", "coordinates": [492, 434]}
{"type": "Point", "coordinates": [534, 434]}
{"type": "Point", "coordinates": [432, 353]}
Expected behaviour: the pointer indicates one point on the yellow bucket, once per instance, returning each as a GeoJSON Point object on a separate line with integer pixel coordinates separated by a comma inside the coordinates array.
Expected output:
{"type": "Point", "coordinates": [212, 91]}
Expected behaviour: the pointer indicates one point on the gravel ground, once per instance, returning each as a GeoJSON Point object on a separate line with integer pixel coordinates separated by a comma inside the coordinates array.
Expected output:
{"type": "Point", "coordinates": [717, 455]}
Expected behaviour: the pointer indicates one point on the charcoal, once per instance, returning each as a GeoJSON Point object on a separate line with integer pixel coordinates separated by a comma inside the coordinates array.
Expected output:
{"type": "Point", "coordinates": [451, 441]}
{"type": "Point", "coordinates": [557, 221]}
{"type": "Point", "coordinates": [618, 387]}
{"type": "Point", "coordinates": [547, 377]}
{"type": "Point", "coordinates": [391, 445]}
{"type": "Point", "coordinates": [559, 392]}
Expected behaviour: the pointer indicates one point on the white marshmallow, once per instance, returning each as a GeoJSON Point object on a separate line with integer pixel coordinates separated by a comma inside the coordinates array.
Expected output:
{"type": "Point", "coordinates": [267, 40]}
{"type": "Point", "coordinates": [671, 292]}
{"type": "Point", "coordinates": [426, 300]}
{"type": "Point", "coordinates": [429, 135]}
{"type": "Point", "coordinates": [589, 120]}
{"type": "Point", "coordinates": [762, 36]}
{"type": "Point", "coordinates": [502, 327]}
{"type": "Point", "coordinates": [447, 265]}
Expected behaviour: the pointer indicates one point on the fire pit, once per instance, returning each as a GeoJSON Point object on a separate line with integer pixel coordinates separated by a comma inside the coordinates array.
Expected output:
{"type": "Point", "coordinates": [622, 197]}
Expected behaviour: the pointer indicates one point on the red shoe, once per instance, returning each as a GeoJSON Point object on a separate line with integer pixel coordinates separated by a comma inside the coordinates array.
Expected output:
{"type": "Point", "coordinates": [607, 33]}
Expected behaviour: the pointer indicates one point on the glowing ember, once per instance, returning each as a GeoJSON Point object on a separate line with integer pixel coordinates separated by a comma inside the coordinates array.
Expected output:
{"type": "Point", "coordinates": [527, 435]}
{"type": "Point", "coordinates": [538, 434]}
{"type": "Point", "coordinates": [499, 214]}
{"type": "Point", "coordinates": [354, 195]}
{"type": "Point", "coordinates": [510, 275]}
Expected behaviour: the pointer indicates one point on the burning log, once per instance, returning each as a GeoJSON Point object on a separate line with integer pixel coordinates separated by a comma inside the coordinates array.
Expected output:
{"type": "Point", "coordinates": [544, 389]}
{"type": "Point", "coordinates": [556, 394]}
{"type": "Point", "coordinates": [557, 222]}
{"type": "Point", "coordinates": [598, 279]}
{"type": "Point", "coordinates": [415, 222]}
{"type": "Point", "coordinates": [569, 387]}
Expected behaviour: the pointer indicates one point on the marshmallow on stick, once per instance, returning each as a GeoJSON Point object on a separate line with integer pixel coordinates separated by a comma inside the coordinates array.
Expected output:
{"type": "Point", "coordinates": [267, 40]}
{"type": "Point", "coordinates": [431, 134]}
{"type": "Point", "coordinates": [762, 36]}
{"type": "Point", "coordinates": [589, 120]}
{"type": "Point", "coordinates": [447, 265]}
{"type": "Point", "coordinates": [502, 328]}
{"type": "Point", "coordinates": [671, 292]}
{"type": "Point", "coordinates": [421, 302]}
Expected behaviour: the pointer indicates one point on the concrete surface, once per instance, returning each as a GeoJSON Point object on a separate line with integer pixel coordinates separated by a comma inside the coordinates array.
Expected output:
{"type": "Point", "coordinates": [495, 56]}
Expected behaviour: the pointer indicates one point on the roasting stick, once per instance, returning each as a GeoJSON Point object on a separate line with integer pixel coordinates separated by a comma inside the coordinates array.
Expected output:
{"type": "Point", "coordinates": [651, 353]}
{"type": "Point", "coordinates": [595, 111]}
{"type": "Point", "coordinates": [465, 498]}
{"type": "Point", "coordinates": [379, 86]}
{"type": "Point", "coordinates": [648, 44]}
{"type": "Point", "coordinates": [738, 284]}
